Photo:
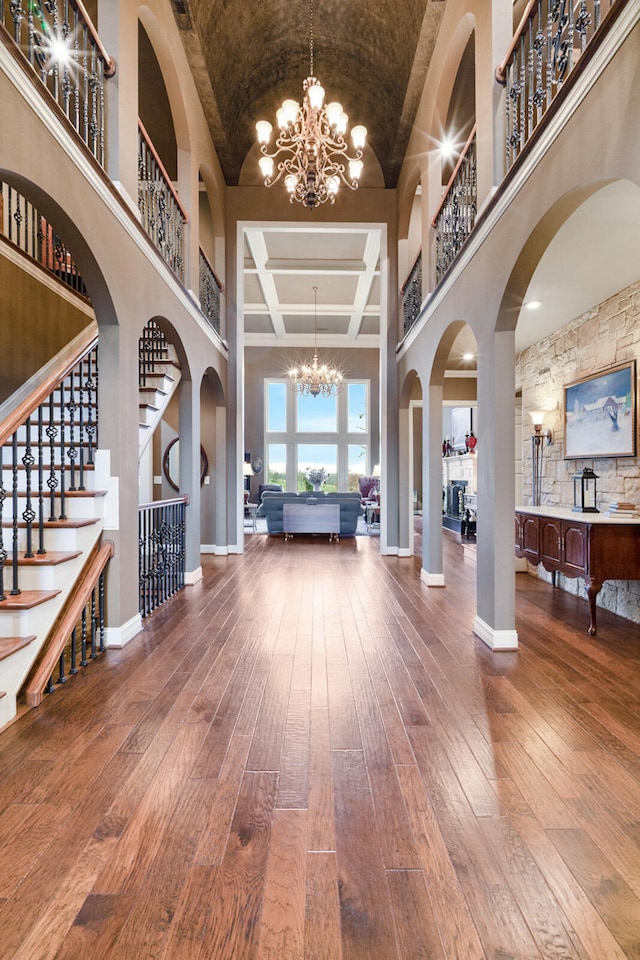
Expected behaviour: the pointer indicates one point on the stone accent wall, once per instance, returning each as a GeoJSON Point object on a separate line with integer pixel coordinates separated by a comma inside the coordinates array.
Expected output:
{"type": "Point", "coordinates": [607, 335]}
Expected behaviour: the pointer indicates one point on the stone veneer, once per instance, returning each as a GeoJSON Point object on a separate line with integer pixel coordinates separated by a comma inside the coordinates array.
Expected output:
{"type": "Point", "coordinates": [607, 335]}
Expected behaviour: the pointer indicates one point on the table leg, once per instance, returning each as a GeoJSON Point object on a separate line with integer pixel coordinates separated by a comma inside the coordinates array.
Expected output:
{"type": "Point", "coordinates": [593, 589]}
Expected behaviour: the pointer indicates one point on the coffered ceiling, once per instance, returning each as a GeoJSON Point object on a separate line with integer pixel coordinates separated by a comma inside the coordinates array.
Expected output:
{"type": "Point", "coordinates": [282, 265]}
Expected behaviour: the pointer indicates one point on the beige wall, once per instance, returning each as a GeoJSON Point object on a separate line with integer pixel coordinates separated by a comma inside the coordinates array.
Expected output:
{"type": "Point", "coordinates": [605, 336]}
{"type": "Point", "coordinates": [36, 324]}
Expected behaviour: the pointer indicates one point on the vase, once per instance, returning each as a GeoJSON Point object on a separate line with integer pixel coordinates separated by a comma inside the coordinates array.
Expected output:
{"type": "Point", "coordinates": [317, 488]}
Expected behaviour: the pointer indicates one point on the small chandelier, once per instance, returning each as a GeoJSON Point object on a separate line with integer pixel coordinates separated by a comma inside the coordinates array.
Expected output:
{"type": "Point", "coordinates": [313, 380]}
{"type": "Point", "coordinates": [311, 144]}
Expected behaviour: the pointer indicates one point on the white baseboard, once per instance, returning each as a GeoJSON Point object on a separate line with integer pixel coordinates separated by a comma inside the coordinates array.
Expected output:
{"type": "Point", "coordinates": [192, 577]}
{"type": "Point", "coordinates": [495, 639]}
{"type": "Point", "coordinates": [432, 579]}
{"type": "Point", "coordinates": [404, 552]}
{"type": "Point", "coordinates": [120, 636]}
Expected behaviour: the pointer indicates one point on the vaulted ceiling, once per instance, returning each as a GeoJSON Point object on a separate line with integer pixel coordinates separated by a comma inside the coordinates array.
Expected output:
{"type": "Point", "coordinates": [249, 56]}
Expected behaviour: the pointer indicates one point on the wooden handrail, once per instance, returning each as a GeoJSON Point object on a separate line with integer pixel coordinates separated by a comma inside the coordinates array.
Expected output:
{"type": "Point", "coordinates": [465, 150]}
{"type": "Point", "coordinates": [162, 503]}
{"type": "Point", "coordinates": [109, 62]}
{"type": "Point", "coordinates": [501, 69]}
{"type": "Point", "coordinates": [83, 343]}
{"type": "Point", "coordinates": [61, 630]}
{"type": "Point", "coordinates": [174, 193]}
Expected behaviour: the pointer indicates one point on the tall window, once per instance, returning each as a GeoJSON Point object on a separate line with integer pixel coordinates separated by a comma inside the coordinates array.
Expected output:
{"type": "Point", "coordinates": [308, 432]}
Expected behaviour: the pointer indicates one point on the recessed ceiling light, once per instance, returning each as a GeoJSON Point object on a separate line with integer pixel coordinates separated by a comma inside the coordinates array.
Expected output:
{"type": "Point", "coordinates": [533, 304]}
{"type": "Point", "coordinates": [467, 356]}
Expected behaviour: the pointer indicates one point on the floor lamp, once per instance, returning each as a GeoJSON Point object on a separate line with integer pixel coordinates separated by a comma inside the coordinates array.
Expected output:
{"type": "Point", "coordinates": [539, 438]}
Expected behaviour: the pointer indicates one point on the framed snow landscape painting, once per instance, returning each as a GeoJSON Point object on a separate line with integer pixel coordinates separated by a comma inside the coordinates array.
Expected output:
{"type": "Point", "coordinates": [600, 414]}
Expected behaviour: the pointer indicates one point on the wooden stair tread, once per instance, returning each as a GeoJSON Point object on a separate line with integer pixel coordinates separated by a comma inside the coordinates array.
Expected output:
{"type": "Point", "coordinates": [49, 559]}
{"type": "Point", "coordinates": [28, 599]}
{"type": "Point", "coordinates": [9, 645]}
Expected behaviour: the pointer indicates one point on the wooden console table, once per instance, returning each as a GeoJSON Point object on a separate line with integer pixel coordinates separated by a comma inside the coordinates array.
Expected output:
{"type": "Point", "coordinates": [311, 518]}
{"type": "Point", "coordinates": [591, 546]}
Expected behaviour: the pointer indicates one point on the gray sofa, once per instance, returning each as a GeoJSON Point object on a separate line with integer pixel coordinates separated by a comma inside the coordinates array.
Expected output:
{"type": "Point", "coordinates": [272, 505]}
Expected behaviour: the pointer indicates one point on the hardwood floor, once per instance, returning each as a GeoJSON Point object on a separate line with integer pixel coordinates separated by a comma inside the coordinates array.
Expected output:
{"type": "Point", "coordinates": [310, 755]}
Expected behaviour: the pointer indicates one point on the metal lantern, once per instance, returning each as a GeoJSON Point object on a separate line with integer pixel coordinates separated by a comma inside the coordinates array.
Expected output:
{"type": "Point", "coordinates": [584, 491]}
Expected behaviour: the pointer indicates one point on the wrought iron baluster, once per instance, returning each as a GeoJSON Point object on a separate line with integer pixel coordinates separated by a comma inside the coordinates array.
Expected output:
{"type": "Point", "coordinates": [15, 7]}
{"type": "Point", "coordinates": [94, 652]}
{"type": "Point", "coordinates": [41, 547]}
{"type": "Point", "coordinates": [15, 590]}
{"type": "Point", "coordinates": [90, 428]}
{"type": "Point", "coordinates": [72, 450]}
{"type": "Point", "coordinates": [3, 551]}
{"type": "Point", "coordinates": [73, 669]}
{"type": "Point", "coordinates": [81, 427]}
{"type": "Point", "coordinates": [62, 676]}
{"type": "Point", "coordinates": [101, 611]}
{"type": "Point", "coordinates": [63, 462]}
{"type": "Point", "coordinates": [83, 640]}
{"type": "Point", "coordinates": [52, 481]}
{"type": "Point", "coordinates": [28, 514]}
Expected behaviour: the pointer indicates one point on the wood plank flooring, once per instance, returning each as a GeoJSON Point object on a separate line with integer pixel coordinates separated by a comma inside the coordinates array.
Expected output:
{"type": "Point", "coordinates": [309, 756]}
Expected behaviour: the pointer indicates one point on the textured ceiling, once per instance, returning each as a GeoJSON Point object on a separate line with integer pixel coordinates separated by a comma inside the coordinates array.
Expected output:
{"type": "Point", "coordinates": [248, 56]}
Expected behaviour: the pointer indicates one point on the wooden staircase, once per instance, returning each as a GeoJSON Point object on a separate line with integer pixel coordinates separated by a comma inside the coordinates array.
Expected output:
{"type": "Point", "coordinates": [47, 537]}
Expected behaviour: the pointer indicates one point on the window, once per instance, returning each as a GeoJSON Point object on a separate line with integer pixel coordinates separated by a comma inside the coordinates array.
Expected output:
{"type": "Point", "coordinates": [329, 432]}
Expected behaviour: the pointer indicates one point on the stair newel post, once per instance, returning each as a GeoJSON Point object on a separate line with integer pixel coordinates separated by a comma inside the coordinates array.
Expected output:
{"type": "Point", "coordinates": [3, 552]}
{"type": "Point", "coordinates": [41, 547]}
{"type": "Point", "coordinates": [72, 452]}
{"type": "Point", "coordinates": [15, 590]}
{"type": "Point", "coordinates": [52, 481]}
{"type": "Point", "coordinates": [81, 428]}
{"type": "Point", "coordinates": [28, 514]}
{"type": "Point", "coordinates": [63, 515]}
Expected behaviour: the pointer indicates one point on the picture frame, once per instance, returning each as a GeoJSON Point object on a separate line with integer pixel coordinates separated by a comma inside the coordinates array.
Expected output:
{"type": "Point", "coordinates": [600, 414]}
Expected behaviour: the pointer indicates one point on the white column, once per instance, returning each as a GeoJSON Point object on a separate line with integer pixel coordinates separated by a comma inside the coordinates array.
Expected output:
{"type": "Point", "coordinates": [495, 619]}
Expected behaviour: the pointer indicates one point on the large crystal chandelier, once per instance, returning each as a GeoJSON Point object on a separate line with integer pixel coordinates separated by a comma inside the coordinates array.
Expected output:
{"type": "Point", "coordinates": [315, 379]}
{"type": "Point", "coordinates": [311, 145]}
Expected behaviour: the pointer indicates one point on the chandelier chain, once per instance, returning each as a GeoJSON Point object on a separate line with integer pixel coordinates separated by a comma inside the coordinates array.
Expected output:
{"type": "Point", "coordinates": [311, 38]}
{"type": "Point", "coordinates": [310, 149]}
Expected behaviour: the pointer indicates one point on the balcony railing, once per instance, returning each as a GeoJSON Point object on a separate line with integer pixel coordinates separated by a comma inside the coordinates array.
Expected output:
{"type": "Point", "coordinates": [551, 37]}
{"type": "Point", "coordinates": [63, 47]}
{"type": "Point", "coordinates": [163, 216]}
{"type": "Point", "coordinates": [21, 223]}
{"type": "Point", "coordinates": [412, 295]}
{"type": "Point", "coordinates": [455, 217]}
{"type": "Point", "coordinates": [210, 289]}
{"type": "Point", "coordinates": [162, 555]}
